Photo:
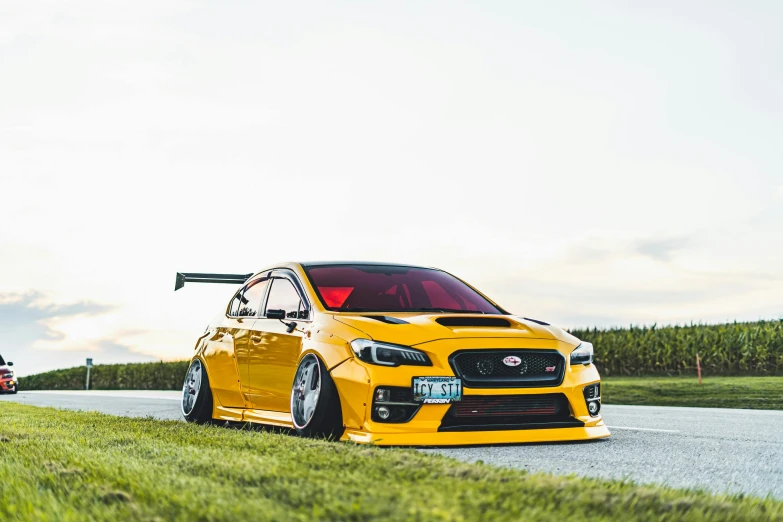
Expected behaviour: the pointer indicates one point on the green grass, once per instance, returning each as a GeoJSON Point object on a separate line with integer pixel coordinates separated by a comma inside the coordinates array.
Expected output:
{"type": "Point", "coordinates": [760, 393]}
{"type": "Point", "coordinates": [60, 466]}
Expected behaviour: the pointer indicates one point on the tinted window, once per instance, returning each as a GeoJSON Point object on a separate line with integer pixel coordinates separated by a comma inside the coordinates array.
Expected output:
{"type": "Point", "coordinates": [283, 296]}
{"type": "Point", "coordinates": [251, 298]}
{"type": "Point", "coordinates": [236, 304]}
{"type": "Point", "coordinates": [379, 288]}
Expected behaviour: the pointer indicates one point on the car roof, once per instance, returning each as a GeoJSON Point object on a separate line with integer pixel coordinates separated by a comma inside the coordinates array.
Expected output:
{"type": "Point", "coordinates": [308, 264]}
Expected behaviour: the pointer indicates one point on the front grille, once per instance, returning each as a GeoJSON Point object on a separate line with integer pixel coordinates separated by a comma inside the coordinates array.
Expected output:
{"type": "Point", "coordinates": [509, 412]}
{"type": "Point", "coordinates": [505, 405]}
{"type": "Point", "coordinates": [509, 368]}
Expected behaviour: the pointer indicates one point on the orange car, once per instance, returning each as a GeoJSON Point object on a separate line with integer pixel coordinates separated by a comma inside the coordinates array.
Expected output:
{"type": "Point", "coordinates": [8, 382]}
{"type": "Point", "coordinates": [387, 354]}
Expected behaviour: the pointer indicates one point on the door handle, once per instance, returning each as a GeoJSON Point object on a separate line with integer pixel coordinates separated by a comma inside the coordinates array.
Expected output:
{"type": "Point", "coordinates": [255, 339]}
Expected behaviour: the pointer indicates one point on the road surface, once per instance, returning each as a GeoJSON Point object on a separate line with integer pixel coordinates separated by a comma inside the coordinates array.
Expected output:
{"type": "Point", "coordinates": [721, 450]}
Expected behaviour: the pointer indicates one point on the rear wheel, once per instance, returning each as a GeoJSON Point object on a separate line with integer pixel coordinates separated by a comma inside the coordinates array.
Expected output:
{"type": "Point", "coordinates": [196, 394]}
{"type": "Point", "coordinates": [315, 404]}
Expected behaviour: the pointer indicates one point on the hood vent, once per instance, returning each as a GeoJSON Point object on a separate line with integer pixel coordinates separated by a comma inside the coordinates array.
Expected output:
{"type": "Point", "coordinates": [386, 319]}
{"type": "Point", "coordinates": [492, 322]}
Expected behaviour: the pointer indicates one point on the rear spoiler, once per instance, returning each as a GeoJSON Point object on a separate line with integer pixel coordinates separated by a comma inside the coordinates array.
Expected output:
{"type": "Point", "coordinates": [192, 277]}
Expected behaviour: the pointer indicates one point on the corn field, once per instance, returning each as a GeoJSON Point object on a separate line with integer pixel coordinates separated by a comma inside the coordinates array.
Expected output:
{"type": "Point", "coordinates": [138, 376]}
{"type": "Point", "coordinates": [754, 348]}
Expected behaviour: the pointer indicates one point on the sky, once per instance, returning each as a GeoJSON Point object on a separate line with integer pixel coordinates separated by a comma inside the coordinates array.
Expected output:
{"type": "Point", "coordinates": [586, 163]}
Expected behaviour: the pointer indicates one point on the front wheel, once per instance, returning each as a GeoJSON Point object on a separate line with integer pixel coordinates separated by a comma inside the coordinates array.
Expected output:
{"type": "Point", "coordinates": [16, 389]}
{"type": "Point", "coordinates": [197, 395]}
{"type": "Point", "coordinates": [315, 404]}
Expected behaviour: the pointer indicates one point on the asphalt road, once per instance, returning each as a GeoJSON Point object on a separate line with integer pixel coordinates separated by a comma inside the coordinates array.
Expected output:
{"type": "Point", "coordinates": [734, 451]}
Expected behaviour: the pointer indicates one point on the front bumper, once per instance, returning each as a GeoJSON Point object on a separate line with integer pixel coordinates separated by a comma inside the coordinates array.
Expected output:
{"type": "Point", "coordinates": [7, 386]}
{"type": "Point", "coordinates": [356, 382]}
{"type": "Point", "coordinates": [464, 438]}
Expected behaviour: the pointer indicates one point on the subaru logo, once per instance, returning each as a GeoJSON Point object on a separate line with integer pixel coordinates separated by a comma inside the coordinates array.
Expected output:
{"type": "Point", "coordinates": [512, 360]}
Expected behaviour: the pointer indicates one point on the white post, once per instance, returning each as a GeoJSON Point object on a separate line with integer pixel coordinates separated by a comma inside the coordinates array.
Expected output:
{"type": "Point", "coordinates": [89, 365]}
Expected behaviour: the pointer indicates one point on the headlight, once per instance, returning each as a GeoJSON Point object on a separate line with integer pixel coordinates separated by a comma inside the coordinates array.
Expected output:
{"type": "Point", "coordinates": [583, 354]}
{"type": "Point", "coordinates": [386, 354]}
{"type": "Point", "coordinates": [8, 376]}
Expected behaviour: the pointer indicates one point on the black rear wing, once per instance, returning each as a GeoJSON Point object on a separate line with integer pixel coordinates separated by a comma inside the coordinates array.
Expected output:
{"type": "Point", "coordinates": [192, 277]}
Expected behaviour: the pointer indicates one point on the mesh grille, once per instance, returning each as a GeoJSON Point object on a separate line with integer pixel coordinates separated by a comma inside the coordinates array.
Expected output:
{"type": "Point", "coordinates": [509, 412]}
{"type": "Point", "coordinates": [512, 368]}
{"type": "Point", "coordinates": [505, 405]}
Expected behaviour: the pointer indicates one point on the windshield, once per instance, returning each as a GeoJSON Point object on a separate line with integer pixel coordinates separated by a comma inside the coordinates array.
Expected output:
{"type": "Point", "coordinates": [387, 288]}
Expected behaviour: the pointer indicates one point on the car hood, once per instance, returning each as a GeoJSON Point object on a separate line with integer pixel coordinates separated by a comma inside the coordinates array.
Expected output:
{"type": "Point", "coordinates": [412, 329]}
{"type": "Point", "coordinates": [5, 369]}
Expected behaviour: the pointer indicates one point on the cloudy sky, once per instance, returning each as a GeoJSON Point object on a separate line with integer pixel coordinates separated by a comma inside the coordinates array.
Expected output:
{"type": "Point", "coordinates": [589, 163]}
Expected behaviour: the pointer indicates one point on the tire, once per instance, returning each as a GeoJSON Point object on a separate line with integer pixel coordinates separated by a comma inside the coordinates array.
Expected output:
{"type": "Point", "coordinates": [196, 403]}
{"type": "Point", "coordinates": [315, 403]}
{"type": "Point", "coordinates": [16, 389]}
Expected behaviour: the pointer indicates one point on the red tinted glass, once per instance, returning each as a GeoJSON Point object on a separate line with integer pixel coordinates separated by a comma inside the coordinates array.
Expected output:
{"type": "Point", "coordinates": [371, 288]}
{"type": "Point", "coordinates": [335, 296]}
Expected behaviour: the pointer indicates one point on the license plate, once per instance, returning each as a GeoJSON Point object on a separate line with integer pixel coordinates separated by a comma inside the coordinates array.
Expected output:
{"type": "Point", "coordinates": [437, 390]}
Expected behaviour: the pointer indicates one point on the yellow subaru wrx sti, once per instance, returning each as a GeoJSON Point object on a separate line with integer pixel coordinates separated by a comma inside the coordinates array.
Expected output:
{"type": "Point", "coordinates": [388, 354]}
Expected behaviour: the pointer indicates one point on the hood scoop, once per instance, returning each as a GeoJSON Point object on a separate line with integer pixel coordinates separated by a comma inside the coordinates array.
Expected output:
{"type": "Point", "coordinates": [481, 322]}
{"type": "Point", "coordinates": [386, 319]}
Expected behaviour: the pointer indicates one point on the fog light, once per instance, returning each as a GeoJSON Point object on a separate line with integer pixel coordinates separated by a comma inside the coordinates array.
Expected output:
{"type": "Point", "coordinates": [593, 407]}
{"type": "Point", "coordinates": [383, 412]}
{"type": "Point", "coordinates": [382, 394]}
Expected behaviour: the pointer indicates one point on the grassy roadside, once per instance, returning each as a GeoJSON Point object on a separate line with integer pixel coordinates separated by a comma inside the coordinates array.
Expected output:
{"type": "Point", "coordinates": [59, 465]}
{"type": "Point", "coordinates": [760, 393]}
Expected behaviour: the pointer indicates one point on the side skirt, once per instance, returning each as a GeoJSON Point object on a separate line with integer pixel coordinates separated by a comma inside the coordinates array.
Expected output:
{"type": "Point", "coordinates": [272, 418]}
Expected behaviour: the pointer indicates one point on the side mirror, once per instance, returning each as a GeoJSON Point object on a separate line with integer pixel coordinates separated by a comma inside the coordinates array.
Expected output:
{"type": "Point", "coordinates": [275, 314]}
{"type": "Point", "coordinates": [9, 363]}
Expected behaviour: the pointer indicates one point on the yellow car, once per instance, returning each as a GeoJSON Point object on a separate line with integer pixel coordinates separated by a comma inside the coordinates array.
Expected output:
{"type": "Point", "coordinates": [387, 354]}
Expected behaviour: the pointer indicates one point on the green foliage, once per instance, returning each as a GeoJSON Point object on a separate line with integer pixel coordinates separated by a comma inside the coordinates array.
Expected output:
{"type": "Point", "coordinates": [68, 466]}
{"type": "Point", "coordinates": [754, 348]}
{"type": "Point", "coordinates": [754, 393]}
{"type": "Point", "coordinates": [137, 376]}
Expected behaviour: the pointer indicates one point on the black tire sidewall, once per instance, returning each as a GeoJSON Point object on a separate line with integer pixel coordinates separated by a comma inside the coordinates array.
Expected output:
{"type": "Point", "coordinates": [202, 410]}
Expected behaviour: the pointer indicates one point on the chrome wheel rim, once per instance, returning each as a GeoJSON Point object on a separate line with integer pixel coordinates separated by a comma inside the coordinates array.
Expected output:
{"type": "Point", "coordinates": [191, 388]}
{"type": "Point", "coordinates": [306, 391]}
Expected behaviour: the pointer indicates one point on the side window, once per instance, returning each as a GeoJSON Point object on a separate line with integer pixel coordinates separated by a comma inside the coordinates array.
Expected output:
{"type": "Point", "coordinates": [236, 304]}
{"type": "Point", "coordinates": [251, 298]}
{"type": "Point", "coordinates": [283, 296]}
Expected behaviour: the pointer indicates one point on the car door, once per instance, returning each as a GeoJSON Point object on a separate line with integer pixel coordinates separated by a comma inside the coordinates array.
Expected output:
{"type": "Point", "coordinates": [274, 352]}
{"type": "Point", "coordinates": [224, 341]}
{"type": "Point", "coordinates": [247, 311]}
